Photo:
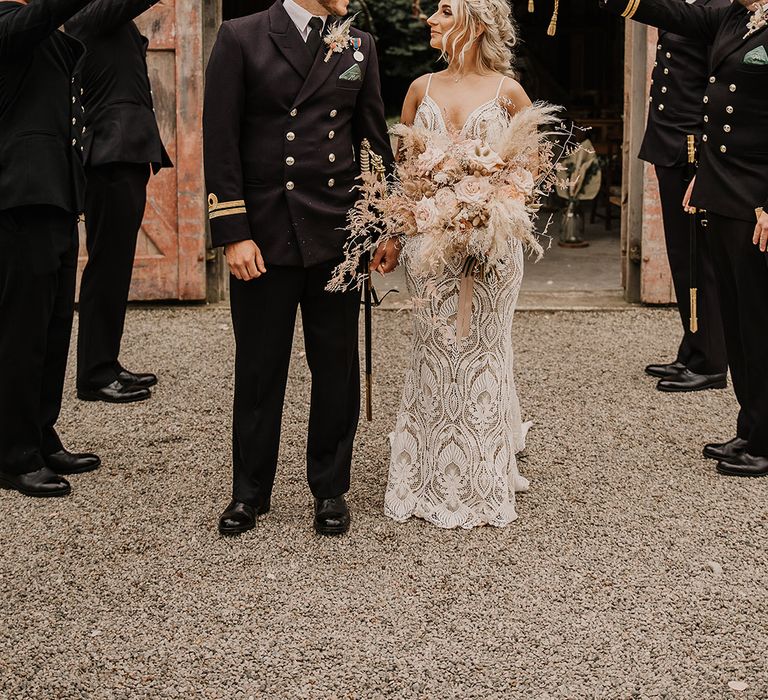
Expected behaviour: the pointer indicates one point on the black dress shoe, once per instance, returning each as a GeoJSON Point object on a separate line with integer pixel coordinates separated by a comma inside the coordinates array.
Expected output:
{"type": "Point", "coordinates": [744, 465]}
{"type": "Point", "coordinates": [240, 517]}
{"type": "Point", "coordinates": [116, 392]}
{"type": "Point", "coordinates": [331, 516]}
{"type": "Point", "coordinates": [41, 483]}
{"type": "Point", "coordinates": [690, 381]}
{"type": "Point", "coordinates": [145, 379]}
{"type": "Point", "coordinates": [725, 451]}
{"type": "Point", "coordinates": [65, 462]}
{"type": "Point", "coordinates": [665, 371]}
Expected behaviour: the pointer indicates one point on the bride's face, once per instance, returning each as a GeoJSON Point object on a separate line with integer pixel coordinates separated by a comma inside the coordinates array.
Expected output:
{"type": "Point", "coordinates": [441, 23]}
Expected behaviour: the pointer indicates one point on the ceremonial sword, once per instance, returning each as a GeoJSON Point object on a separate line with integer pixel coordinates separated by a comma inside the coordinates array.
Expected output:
{"type": "Point", "coordinates": [693, 242]}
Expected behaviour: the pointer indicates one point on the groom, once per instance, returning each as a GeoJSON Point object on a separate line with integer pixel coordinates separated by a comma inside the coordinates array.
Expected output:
{"type": "Point", "coordinates": [284, 117]}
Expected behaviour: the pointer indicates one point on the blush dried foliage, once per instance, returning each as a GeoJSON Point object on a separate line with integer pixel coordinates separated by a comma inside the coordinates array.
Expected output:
{"type": "Point", "coordinates": [455, 198]}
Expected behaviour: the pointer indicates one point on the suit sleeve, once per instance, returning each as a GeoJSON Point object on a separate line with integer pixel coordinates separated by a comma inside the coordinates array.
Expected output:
{"type": "Point", "coordinates": [104, 16]}
{"type": "Point", "coordinates": [369, 121]}
{"type": "Point", "coordinates": [25, 26]}
{"type": "Point", "coordinates": [697, 22]}
{"type": "Point", "coordinates": [222, 119]}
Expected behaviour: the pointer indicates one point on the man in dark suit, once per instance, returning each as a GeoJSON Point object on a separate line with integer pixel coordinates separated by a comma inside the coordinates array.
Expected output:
{"type": "Point", "coordinates": [677, 87]}
{"type": "Point", "coordinates": [732, 185]}
{"type": "Point", "coordinates": [122, 142]}
{"type": "Point", "coordinates": [283, 119]}
{"type": "Point", "coordinates": [41, 193]}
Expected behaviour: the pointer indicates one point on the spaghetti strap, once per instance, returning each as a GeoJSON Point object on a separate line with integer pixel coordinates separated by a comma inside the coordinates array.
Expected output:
{"type": "Point", "coordinates": [429, 84]}
{"type": "Point", "coordinates": [498, 92]}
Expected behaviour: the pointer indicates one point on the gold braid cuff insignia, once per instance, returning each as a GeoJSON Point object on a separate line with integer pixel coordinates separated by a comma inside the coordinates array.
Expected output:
{"type": "Point", "coordinates": [631, 8]}
{"type": "Point", "coordinates": [218, 209]}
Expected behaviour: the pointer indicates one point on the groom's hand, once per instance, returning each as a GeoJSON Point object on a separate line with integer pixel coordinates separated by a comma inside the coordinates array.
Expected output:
{"type": "Point", "coordinates": [244, 260]}
{"type": "Point", "coordinates": [387, 254]}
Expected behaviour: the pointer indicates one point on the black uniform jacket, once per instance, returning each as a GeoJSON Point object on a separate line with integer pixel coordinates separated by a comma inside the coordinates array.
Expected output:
{"type": "Point", "coordinates": [732, 179]}
{"type": "Point", "coordinates": [281, 130]}
{"type": "Point", "coordinates": [41, 118]}
{"type": "Point", "coordinates": [678, 83]}
{"type": "Point", "coordinates": [121, 126]}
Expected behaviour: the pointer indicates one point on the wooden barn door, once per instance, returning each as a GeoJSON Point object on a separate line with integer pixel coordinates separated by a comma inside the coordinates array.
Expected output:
{"type": "Point", "coordinates": [170, 256]}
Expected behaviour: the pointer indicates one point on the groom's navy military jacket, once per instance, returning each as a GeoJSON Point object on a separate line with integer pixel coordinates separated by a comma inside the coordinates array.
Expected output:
{"type": "Point", "coordinates": [281, 131]}
{"type": "Point", "coordinates": [732, 178]}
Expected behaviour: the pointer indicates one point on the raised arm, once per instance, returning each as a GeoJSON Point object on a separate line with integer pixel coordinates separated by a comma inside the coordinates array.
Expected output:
{"type": "Point", "coordinates": [22, 27]}
{"type": "Point", "coordinates": [693, 21]}
{"type": "Point", "coordinates": [104, 16]}
{"type": "Point", "coordinates": [222, 118]}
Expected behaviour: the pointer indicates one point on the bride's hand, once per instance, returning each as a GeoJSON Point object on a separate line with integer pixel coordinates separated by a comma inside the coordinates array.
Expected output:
{"type": "Point", "coordinates": [386, 257]}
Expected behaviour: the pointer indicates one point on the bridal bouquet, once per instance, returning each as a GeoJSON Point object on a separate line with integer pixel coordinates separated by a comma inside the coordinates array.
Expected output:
{"type": "Point", "coordinates": [466, 199]}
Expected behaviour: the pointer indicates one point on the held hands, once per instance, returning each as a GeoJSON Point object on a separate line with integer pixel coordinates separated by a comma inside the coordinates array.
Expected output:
{"type": "Point", "coordinates": [687, 198]}
{"type": "Point", "coordinates": [244, 260]}
{"type": "Point", "coordinates": [387, 254]}
{"type": "Point", "coordinates": [760, 237]}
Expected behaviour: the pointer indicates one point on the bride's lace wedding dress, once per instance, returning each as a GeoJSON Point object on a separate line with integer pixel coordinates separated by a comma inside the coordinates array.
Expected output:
{"type": "Point", "coordinates": [459, 425]}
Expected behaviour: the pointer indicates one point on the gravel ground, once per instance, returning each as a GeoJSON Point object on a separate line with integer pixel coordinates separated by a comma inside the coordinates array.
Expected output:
{"type": "Point", "coordinates": [634, 571]}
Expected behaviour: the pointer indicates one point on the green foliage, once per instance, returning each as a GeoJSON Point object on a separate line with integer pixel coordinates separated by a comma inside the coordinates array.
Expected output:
{"type": "Point", "coordinates": [403, 41]}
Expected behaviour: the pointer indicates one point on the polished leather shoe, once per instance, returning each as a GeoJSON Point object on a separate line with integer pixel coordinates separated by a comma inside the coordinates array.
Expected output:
{"type": "Point", "coordinates": [744, 465]}
{"type": "Point", "coordinates": [690, 381]}
{"type": "Point", "coordinates": [725, 451]}
{"type": "Point", "coordinates": [331, 516]}
{"type": "Point", "coordinates": [665, 371]}
{"type": "Point", "coordinates": [41, 483]}
{"type": "Point", "coordinates": [65, 462]}
{"type": "Point", "coordinates": [145, 379]}
{"type": "Point", "coordinates": [116, 392]}
{"type": "Point", "coordinates": [240, 517]}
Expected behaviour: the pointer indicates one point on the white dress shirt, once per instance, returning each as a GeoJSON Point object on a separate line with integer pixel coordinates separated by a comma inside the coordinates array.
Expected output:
{"type": "Point", "coordinates": [301, 17]}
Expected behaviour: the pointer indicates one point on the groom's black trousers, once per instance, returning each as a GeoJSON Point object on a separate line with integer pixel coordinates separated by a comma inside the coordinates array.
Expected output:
{"type": "Point", "coordinates": [264, 317]}
{"type": "Point", "coordinates": [38, 265]}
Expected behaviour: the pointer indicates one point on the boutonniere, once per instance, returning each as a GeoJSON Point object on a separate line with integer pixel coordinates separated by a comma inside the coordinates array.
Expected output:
{"type": "Point", "coordinates": [338, 38]}
{"type": "Point", "coordinates": [758, 20]}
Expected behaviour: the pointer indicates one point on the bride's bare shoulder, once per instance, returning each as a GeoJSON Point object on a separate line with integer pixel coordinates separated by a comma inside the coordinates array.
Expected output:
{"type": "Point", "coordinates": [419, 87]}
{"type": "Point", "coordinates": [514, 95]}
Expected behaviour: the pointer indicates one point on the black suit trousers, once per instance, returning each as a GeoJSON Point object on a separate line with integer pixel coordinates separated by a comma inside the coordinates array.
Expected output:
{"type": "Point", "coordinates": [702, 352]}
{"type": "Point", "coordinates": [38, 266]}
{"type": "Point", "coordinates": [742, 276]}
{"type": "Point", "coordinates": [264, 317]}
{"type": "Point", "coordinates": [115, 199]}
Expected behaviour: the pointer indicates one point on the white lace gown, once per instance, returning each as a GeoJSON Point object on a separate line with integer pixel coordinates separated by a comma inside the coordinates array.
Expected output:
{"type": "Point", "coordinates": [459, 426]}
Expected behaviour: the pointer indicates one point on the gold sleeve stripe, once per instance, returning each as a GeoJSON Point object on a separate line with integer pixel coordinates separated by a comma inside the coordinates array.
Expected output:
{"type": "Point", "coordinates": [631, 8]}
{"type": "Point", "coordinates": [227, 212]}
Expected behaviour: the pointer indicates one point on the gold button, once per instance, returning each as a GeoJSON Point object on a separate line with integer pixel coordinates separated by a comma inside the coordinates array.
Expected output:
{"type": "Point", "coordinates": [706, 99]}
{"type": "Point", "coordinates": [83, 129]}
{"type": "Point", "coordinates": [704, 138]}
{"type": "Point", "coordinates": [664, 88]}
{"type": "Point", "coordinates": [290, 136]}
{"type": "Point", "coordinates": [658, 46]}
{"type": "Point", "coordinates": [711, 78]}
{"type": "Point", "coordinates": [666, 71]}
{"type": "Point", "coordinates": [74, 99]}
{"type": "Point", "coordinates": [723, 149]}
{"type": "Point", "coordinates": [729, 109]}
{"type": "Point", "coordinates": [655, 63]}
{"type": "Point", "coordinates": [727, 128]}
{"type": "Point", "coordinates": [331, 134]}
{"type": "Point", "coordinates": [294, 112]}
{"type": "Point", "coordinates": [661, 107]}
{"type": "Point", "coordinates": [74, 142]}
{"type": "Point", "coordinates": [331, 182]}
{"type": "Point", "coordinates": [332, 157]}
{"type": "Point", "coordinates": [290, 160]}
{"type": "Point", "coordinates": [706, 118]}
{"type": "Point", "coordinates": [81, 92]}
{"type": "Point", "coordinates": [333, 113]}
{"type": "Point", "coordinates": [289, 185]}
{"type": "Point", "coordinates": [732, 87]}
{"type": "Point", "coordinates": [650, 99]}
{"type": "Point", "coordinates": [74, 121]}
{"type": "Point", "coordinates": [669, 55]}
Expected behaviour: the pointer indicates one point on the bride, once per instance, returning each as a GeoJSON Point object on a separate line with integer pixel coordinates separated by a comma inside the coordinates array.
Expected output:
{"type": "Point", "coordinates": [459, 427]}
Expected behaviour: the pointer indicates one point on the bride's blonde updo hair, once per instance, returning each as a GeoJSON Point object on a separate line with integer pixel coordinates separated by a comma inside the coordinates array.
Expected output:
{"type": "Point", "coordinates": [489, 22]}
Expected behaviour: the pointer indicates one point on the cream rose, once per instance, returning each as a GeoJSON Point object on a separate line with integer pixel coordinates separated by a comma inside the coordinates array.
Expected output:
{"type": "Point", "coordinates": [523, 181]}
{"type": "Point", "coordinates": [485, 159]}
{"type": "Point", "coordinates": [431, 158]}
{"type": "Point", "coordinates": [426, 214]}
{"type": "Point", "coordinates": [473, 190]}
{"type": "Point", "coordinates": [446, 202]}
